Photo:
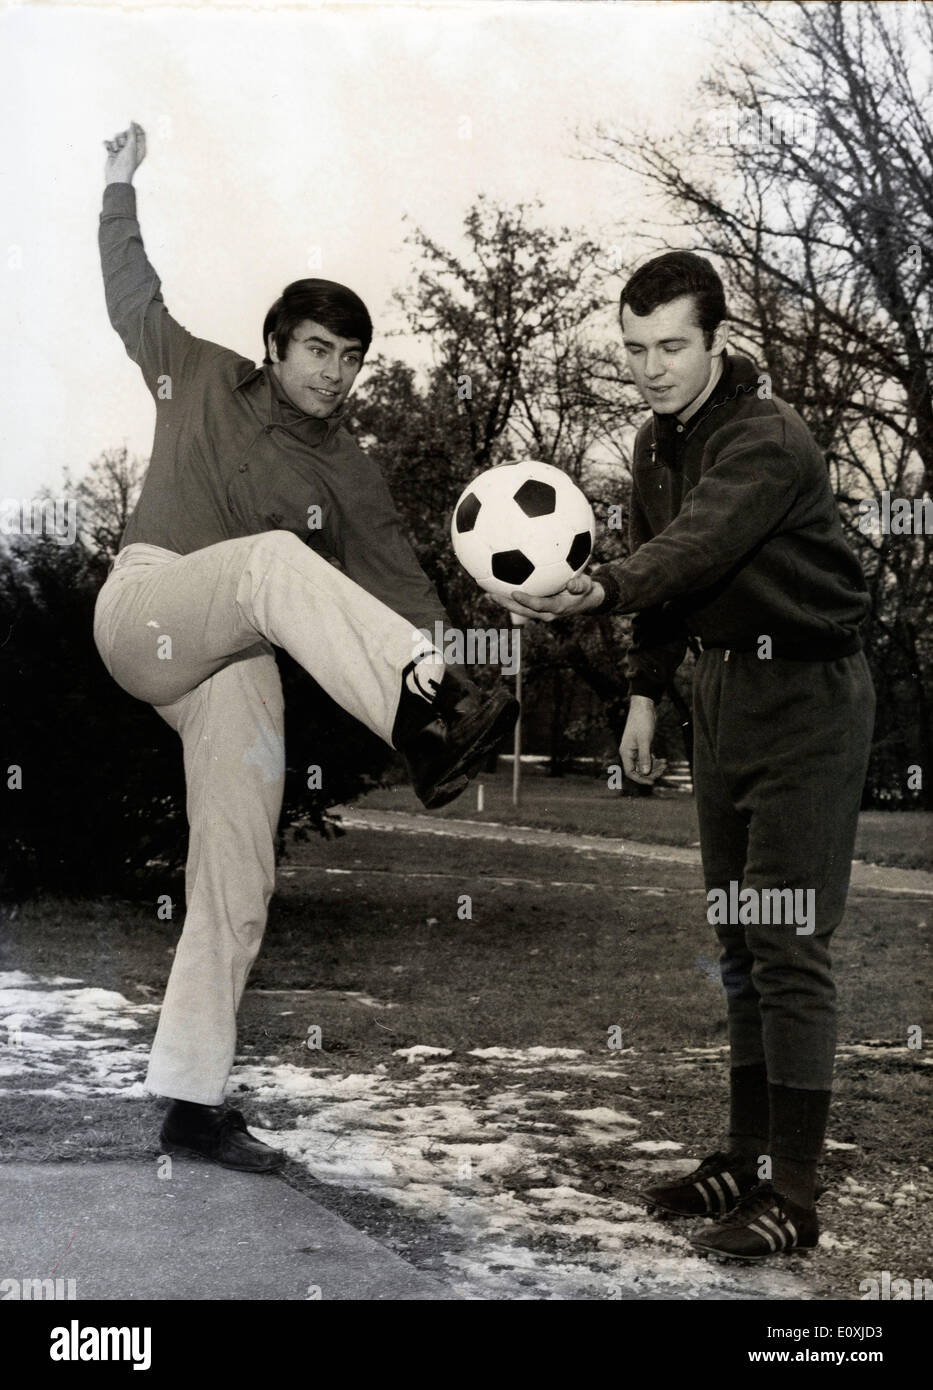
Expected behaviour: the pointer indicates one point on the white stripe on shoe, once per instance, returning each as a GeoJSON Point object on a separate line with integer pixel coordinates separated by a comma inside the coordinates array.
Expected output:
{"type": "Point", "coordinates": [703, 1193]}
{"type": "Point", "coordinates": [766, 1219]}
{"type": "Point", "coordinates": [765, 1234]}
{"type": "Point", "coordinates": [721, 1196]}
{"type": "Point", "coordinates": [732, 1184]}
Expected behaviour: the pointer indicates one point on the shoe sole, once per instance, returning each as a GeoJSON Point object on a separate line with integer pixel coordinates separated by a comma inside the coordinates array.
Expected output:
{"type": "Point", "coordinates": [468, 764]}
{"type": "Point", "coordinates": [183, 1150]}
{"type": "Point", "coordinates": [448, 791]}
{"type": "Point", "coordinates": [725, 1257]}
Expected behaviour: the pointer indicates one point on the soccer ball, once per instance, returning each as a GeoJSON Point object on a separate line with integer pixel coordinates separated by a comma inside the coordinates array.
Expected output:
{"type": "Point", "coordinates": [522, 526]}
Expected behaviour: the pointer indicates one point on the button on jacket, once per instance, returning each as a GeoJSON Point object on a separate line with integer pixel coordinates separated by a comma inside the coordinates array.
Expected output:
{"type": "Point", "coordinates": [232, 456]}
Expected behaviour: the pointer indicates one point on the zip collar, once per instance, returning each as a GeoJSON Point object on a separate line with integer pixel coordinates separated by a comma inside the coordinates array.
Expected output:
{"type": "Point", "coordinates": [739, 376]}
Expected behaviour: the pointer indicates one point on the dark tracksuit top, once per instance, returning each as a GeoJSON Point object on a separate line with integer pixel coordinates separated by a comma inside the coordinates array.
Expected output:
{"type": "Point", "coordinates": [735, 535]}
{"type": "Point", "coordinates": [233, 457]}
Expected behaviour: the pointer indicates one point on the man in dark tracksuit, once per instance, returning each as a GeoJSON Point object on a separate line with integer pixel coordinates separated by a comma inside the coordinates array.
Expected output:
{"type": "Point", "coordinates": [736, 541]}
{"type": "Point", "coordinates": [253, 488]}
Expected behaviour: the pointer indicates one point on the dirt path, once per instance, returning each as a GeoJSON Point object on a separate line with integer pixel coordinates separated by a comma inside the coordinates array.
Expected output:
{"type": "Point", "coordinates": [866, 878]}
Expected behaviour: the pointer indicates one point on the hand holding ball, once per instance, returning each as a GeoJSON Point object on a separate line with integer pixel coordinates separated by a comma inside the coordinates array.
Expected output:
{"type": "Point", "coordinates": [523, 526]}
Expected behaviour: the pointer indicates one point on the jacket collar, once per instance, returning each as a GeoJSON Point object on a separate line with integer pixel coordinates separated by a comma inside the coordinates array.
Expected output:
{"type": "Point", "coordinates": [739, 375]}
{"type": "Point", "coordinates": [277, 409]}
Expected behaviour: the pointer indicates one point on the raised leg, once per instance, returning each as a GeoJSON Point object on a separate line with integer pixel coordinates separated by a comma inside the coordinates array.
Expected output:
{"type": "Point", "coordinates": [165, 623]}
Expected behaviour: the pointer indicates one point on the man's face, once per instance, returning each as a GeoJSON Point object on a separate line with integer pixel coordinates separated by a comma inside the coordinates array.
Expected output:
{"type": "Point", "coordinates": [319, 368]}
{"type": "Point", "coordinates": [667, 354]}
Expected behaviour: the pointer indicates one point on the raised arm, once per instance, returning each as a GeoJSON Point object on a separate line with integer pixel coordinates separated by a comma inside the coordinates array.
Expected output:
{"type": "Point", "coordinates": [153, 339]}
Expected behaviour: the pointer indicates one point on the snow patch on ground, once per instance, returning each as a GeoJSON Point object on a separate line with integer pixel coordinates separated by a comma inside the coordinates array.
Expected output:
{"type": "Point", "coordinates": [62, 1038]}
{"type": "Point", "coordinates": [602, 1126]}
{"type": "Point", "coordinates": [511, 1189]}
{"type": "Point", "coordinates": [656, 1146]}
{"type": "Point", "coordinates": [525, 1054]}
{"type": "Point", "coordinates": [676, 1167]}
{"type": "Point", "coordinates": [412, 1054]}
{"type": "Point", "coordinates": [505, 1168]}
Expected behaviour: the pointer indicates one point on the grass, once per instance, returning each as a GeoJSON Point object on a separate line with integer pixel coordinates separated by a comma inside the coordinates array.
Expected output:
{"type": "Point", "coordinates": [537, 964]}
{"type": "Point", "coordinates": [584, 805]}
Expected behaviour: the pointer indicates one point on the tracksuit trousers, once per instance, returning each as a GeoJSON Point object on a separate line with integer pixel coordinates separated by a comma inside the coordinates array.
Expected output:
{"type": "Point", "coordinates": [781, 752]}
{"type": "Point", "coordinates": [192, 635]}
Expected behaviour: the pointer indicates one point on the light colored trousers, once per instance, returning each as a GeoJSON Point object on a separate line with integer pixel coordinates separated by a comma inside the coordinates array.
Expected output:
{"type": "Point", "coordinates": [191, 635]}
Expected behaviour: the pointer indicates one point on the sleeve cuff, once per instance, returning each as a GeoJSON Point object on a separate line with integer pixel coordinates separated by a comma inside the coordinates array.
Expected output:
{"type": "Point", "coordinates": [644, 685]}
{"type": "Point", "coordinates": [611, 589]}
{"type": "Point", "coordinates": [120, 199]}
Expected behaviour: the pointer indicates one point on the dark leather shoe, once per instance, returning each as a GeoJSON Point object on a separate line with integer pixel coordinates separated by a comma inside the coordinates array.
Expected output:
{"type": "Point", "coordinates": [218, 1134]}
{"type": "Point", "coordinates": [763, 1224]}
{"type": "Point", "coordinates": [713, 1189]}
{"type": "Point", "coordinates": [422, 756]}
{"type": "Point", "coordinates": [466, 727]}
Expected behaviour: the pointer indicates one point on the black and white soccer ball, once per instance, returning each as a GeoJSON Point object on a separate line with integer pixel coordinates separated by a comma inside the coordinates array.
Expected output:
{"type": "Point", "coordinates": [523, 526]}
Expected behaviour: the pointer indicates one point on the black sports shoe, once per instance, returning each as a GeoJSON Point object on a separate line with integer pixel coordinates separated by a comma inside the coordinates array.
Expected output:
{"type": "Point", "coordinates": [218, 1134]}
{"type": "Point", "coordinates": [763, 1224]}
{"type": "Point", "coordinates": [461, 729]}
{"type": "Point", "coordinates": [713, 1189]}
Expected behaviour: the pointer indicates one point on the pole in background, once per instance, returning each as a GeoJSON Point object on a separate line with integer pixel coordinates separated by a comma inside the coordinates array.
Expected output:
{"type": "Point", "coordinates": [519, 622]}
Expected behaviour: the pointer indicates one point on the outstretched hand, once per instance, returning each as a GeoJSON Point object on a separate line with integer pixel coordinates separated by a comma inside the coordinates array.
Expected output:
{"type": "Point", "coordinates": [581, 595]}
{"type": "Point", "coordinates": [125, 152]}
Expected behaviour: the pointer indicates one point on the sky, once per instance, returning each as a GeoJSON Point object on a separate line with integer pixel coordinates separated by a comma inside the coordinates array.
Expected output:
{"type": "Point", "coordinates": [285, 141]}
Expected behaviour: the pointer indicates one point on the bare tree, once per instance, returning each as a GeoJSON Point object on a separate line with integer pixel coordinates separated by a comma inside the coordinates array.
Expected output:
{"type": "Point", "coordinates": [811, 180]}
{"type": "Point", "coordinates": [105, 496]}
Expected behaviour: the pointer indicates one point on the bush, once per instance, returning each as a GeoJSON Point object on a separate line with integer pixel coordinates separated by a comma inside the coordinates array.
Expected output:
{"type": "Point", "coordinates": [102, 797]}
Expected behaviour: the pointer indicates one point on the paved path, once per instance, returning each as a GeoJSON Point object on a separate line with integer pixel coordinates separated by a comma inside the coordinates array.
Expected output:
{"type": "Point", "coordinates": [866, 878]}
{"type": "Point", "coordinates": [121, 1232]}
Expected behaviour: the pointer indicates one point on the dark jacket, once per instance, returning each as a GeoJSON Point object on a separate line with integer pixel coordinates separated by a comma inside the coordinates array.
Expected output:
{"type": "Point", "coordinates": [735, 535]}
{"type": "Point", "coordinates": [232, 456]}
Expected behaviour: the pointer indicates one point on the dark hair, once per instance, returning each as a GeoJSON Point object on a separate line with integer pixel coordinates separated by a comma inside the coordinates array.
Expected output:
{"type": "Point", "coordinates": [323, 301]}
{"type": "Point", "coordinates": [668, 277]}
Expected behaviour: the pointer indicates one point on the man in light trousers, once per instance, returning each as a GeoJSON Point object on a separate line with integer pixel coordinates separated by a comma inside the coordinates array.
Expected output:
{"type": "Point", "coordinates": [254, 490]}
